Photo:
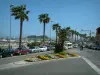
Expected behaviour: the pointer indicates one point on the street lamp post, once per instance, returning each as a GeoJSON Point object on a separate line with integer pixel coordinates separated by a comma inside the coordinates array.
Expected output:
{"type": "Point", "coordinates": [50, 31]}
{"type": "Point", "coordinates": [10, 27]}
{"type": "Point", "coordinates": [75, 34]}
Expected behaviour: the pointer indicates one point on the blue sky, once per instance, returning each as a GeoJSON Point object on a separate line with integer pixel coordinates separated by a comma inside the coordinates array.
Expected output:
{"type": "Point", "coordinates": [78, 14]}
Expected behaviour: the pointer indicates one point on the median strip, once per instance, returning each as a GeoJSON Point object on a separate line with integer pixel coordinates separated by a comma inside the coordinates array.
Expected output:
{"type": "Point", "coordinates": [25, 63]}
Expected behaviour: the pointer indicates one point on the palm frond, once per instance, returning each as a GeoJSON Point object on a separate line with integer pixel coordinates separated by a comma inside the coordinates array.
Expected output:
{"type": "Point", "coordinates": [44, 18]}
{"type": "Point", "coordinates": [20, 12]}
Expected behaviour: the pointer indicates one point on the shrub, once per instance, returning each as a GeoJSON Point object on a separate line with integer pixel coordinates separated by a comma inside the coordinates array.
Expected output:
{"type": "Point", "coordinates": [73, 55]}
{"type": "Point", "coordinates": [61, 56]}
{"type": "Point", "coordinates": [31, 59]}
{"type": "Point", "coordinates": [51, 56]}
{"type": "Point", "coordinates": [44, 57]}
{"type": "Point", "coordinates": [63, 53]}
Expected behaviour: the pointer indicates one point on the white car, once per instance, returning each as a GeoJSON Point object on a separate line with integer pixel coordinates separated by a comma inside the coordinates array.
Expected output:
{"type": "Point", "coordinates": [75, 45]}
{"type": "Point", "coordinates": [43, 48]}
{"type": "Point", "coordinates": [35, 49]}
{"type": "Point", "coordinates": [66, 47]}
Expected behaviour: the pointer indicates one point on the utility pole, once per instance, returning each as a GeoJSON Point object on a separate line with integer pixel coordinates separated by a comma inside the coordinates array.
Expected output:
{"type": "Point", "coordinates": [50, 30]}
{"type": "Point", "coordinates": [10, 26]}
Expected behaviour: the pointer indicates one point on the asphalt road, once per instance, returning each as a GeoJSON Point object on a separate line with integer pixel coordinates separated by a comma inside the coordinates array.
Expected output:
{"type": "Point", "coordinates": [60, 67]}
{"type": "Point", "coordinates": [75, 66]}
{"type": "Point", "coordinates": [92, 55]}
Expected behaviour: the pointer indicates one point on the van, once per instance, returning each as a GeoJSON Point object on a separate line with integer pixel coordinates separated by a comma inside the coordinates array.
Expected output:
{"type": "Point", "coordinates": [68, 45]}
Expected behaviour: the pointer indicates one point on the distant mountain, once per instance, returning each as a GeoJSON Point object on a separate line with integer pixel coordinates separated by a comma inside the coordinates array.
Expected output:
{"type": "Point", "coordinates": [38, 37]}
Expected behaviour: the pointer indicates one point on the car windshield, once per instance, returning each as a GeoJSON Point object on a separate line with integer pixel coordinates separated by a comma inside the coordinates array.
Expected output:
{"type": "Point", "coordinates": [32, 47]}
{"type": "Point", "coordinates": [41, 47]}
{"type": "Point", "coordinates": [69, 45]}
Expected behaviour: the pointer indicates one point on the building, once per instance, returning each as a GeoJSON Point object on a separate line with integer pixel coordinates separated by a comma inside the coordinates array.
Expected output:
{"type": "Point", "coordinates": [98, 35]}
{"type": "Point", "coordinates": [14, 43]}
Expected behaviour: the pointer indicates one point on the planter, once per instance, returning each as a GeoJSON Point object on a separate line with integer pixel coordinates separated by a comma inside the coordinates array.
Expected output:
{"type": "Point", "coordinates": [73, 55]}
{"type": "Point", "coordinates": [61, 56]}
{"type": "Point", "coordinates": [42, 57]}
{"type": "Point", "coordinates": [31, 59]}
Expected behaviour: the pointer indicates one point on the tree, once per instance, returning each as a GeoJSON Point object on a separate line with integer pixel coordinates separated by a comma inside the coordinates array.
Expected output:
{"type": "Point", "coordinates": [67, 33]}
{"type": "Point", "coordinates": [84, 36]}
{"type": "Point", "coordinates": [21, 13]}
{"type": "Point", "coordinates": [77, 34]}
{"type": "Point", "coordinates": [72, 33]}
{"type": "Point", "coordinates": [56, 27]}
{"type": "Point", "coordinates": [62, 34]}
{"type": "Point", "coordinates": [44, 18]}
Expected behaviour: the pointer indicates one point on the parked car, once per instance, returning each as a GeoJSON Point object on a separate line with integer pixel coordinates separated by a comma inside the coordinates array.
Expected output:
{"type": "Point", "coordinates": [75, 45]}
{"type": "Point", "coordinates": [6, 52]}
{"type": "Point", "coordinates": [97, 47]}
{"type": "Point", "coordinates": [89, 46]}
{"type": "Point", "coordinates": [43, 48]}
{"type": "Point", "coordinates": [35, 49]}
{"type": "Point", "coordinates": [68, 45]}
{"type": "Point", "coordinates": [49, 48]}
{"type": "Point", "coordinates": [20, 51]}
{"type": "Point", "coordinates": [93, 47]}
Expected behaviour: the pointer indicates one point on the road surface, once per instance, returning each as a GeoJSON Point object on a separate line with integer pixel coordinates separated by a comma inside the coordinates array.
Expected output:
{"type": "Point", "coordinates": [77, 66]}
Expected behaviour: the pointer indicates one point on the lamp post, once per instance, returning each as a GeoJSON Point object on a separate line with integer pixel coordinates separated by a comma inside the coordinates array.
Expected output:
{"type": "Point", "coordinates": [75, 34]}
{"type": "Point", "coordinates": [10, 26]}
{"type": "Point", "coordinates": [50, 31]}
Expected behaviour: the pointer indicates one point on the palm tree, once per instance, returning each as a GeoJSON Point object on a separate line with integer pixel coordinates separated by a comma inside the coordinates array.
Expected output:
{"type": "Point", "coordinates": [56, 27]}
{"type": "Point", "coordinates": [20, 13]}
{"type": "Point", "coordinates": [72, 33]}
{"type": "Point", "coordinates": [44, 18]}
{"type": "Point", "coordinates": [68, 33]}
{"type": "Point", "coordinates": [84, 36]}
{"type": "Point", "coordinates": [77, 34]}
{"type": "Point", "coordinates": [81, 37]}
{"type": "Point", "coordinates": [63, 35]}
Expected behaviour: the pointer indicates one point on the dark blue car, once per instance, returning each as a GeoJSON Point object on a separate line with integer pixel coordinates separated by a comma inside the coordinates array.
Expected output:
{"type": "Point", "coordinates": [98, 47]}
{"type": "Point", "coordinates": [6, 52]}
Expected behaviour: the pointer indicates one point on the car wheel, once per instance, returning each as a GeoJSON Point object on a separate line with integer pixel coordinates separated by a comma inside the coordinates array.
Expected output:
{"type": "Point", "coordinates": [11, 54]}
{"type": "Point", "coordinates": [27, 52]}
{"type": "Point", "coordinates": [0, 56]}
{"type": "Point", "coordinates": [19, 53]}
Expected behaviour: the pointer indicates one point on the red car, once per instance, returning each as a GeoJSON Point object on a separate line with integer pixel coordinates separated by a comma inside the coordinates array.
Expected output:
{"type": "Point", "coordinates": [21, 51]}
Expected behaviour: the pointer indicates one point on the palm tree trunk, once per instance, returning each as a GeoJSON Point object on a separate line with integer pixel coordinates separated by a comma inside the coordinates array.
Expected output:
{"type": "Point", "coordinates": [44, 33]}
{"type": "Point", "coordinates": [75, 37]}
{"type": "Point", "coordinates": [72, 37]}
{"type": "Point", "coordinates": [56, 35]}
{"type": "Point", "coordinates": [20, 37]}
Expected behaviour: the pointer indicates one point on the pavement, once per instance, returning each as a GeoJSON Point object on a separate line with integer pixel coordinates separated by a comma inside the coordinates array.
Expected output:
{"type": "Point", "coordinates": [87, 64]}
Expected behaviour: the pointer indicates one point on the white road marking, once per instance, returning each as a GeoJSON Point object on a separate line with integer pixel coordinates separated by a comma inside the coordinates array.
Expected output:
{"type": "Point", "coordinates": [92, 65]}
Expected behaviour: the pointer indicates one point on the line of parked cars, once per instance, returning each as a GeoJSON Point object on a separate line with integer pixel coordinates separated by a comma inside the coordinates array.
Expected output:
{"type": "Point", "coordinates": [22, 51]}
{"type": "Point", "coordinates": [94, 47]}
